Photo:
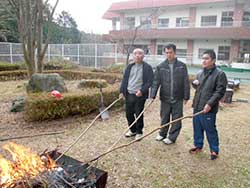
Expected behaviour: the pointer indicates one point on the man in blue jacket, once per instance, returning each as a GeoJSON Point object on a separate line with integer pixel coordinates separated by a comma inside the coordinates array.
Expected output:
{"type": "Point", "coordinates": [137, 80]}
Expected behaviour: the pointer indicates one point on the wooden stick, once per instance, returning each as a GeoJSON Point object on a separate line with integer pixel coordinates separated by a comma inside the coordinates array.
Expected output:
{"type": "Point", "coordinates": [30, 136]}
{"type": "Point", "coordinates": [146, 107]}
{"type": "Point", "coordinates": [90, 125]}
{"type": "Point", "coordinates": [137, 140]}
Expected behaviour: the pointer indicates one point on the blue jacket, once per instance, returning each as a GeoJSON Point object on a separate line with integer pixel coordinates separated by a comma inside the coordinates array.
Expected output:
{"type": "Point", "coordinates": [147, 79]}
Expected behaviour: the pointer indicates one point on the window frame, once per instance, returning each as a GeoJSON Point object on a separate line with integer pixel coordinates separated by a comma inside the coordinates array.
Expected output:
{"type": "Point", "coordinates": [225, 51]}
{"type": "Point", "coordinates": [208, 23]}
{"type": "Point", "coordinates": [182, 22]}
{"type": "Point", "coordinates": [228, 18]}
{"type": "Point", "coordinates": [162, 25]}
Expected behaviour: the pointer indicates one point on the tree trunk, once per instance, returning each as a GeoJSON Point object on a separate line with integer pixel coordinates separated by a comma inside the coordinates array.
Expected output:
{"type": "Point", "coordinates": [40, 36]}
{"type": "Point", "coordinates": [30, 16]}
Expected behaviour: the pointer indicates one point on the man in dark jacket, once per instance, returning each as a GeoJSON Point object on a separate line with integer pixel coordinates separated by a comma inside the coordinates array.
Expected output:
{"type": "Point", "coordinates": [210, 86]}
{"type": "Point", "coordinates": [137, 80]}
{"type": "Point", "coordinates": [172, 76]}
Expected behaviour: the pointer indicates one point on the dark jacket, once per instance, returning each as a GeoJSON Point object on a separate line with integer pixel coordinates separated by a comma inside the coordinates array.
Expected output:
{"type": "Point", "coordinates": [162, 77]}
{"type": "Point", "coordinates": [147, 74]}
{"type": "Point", "coordinates": [211, 88]}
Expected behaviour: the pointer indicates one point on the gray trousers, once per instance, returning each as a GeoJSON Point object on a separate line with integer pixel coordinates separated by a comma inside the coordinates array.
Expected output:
{"type": "Point", "coordinates": [175, 110]}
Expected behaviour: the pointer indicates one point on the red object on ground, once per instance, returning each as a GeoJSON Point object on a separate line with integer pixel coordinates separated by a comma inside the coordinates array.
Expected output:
{"type": "Point", "coordinates": [56, 94]}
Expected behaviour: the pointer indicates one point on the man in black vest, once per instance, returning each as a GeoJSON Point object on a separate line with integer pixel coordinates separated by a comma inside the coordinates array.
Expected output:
{"type": "Point", "coordinates": [137, 80]}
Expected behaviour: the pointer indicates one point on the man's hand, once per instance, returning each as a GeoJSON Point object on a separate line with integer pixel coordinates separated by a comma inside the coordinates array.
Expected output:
{"type": "Point", "coordinates": [206, 108]}
{"type": "Point", "coordinates": [196, 82]}
{"type": "Point", "coordinates": [185, 102]}
{"type": "Point", "coordinates": [121, 96]}
{"type": "Point", "coordinates": [138, 93]}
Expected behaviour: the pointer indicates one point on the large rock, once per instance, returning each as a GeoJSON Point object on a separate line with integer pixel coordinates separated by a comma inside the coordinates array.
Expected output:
{"type": "Point", "coordinates": [18, 105]}
{"type": "Point", "coordinates": [46, 82]}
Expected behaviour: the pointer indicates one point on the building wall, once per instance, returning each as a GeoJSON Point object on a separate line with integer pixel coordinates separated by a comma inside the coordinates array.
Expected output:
{"type": "Point", "coordinates": [171, 14]}
{"type": "Point", "coordinates": [208, 44]}
{"type": "Point", "coordinates": [138, 41]}
{"type": "Point", "coordinates": [180, 44]}
{"type": "Point", "coordinates": [211, 10]}
{"type": "Point", "coordinates": [137, 15]}
{"type": "Point", "coordinates": [192, 45]}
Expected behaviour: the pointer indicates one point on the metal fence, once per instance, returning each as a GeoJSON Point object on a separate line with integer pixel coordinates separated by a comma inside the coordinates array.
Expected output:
{"type": "Point", "coordinates": [91, 55]}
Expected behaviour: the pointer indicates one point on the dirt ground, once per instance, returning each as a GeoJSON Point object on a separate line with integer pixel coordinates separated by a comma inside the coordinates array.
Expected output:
{"type": "Point", "coordinates": [147, 164]}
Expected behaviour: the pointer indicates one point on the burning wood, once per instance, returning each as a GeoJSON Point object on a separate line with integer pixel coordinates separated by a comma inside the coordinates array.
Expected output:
{"type": "Point", "coordinates": [30, 170]}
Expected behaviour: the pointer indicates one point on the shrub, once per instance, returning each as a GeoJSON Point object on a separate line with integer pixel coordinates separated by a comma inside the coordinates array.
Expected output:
{"type": "Point", "coordinates": [8, 66]}
{"type": "Point", "coordinates": [59, 64]}
{"type": "Point", "coordinates": [42, 106]}
{"type": "Point", "coordinates": [13, 75]}
{"type": "Point", "coordinates": [66, 74]}
{"type": "Point", "coordinates": [78, 75]}
{"type": "Point", "coordinates": [116, 68]}
{"type": "Point", "coordinates": [94, 83]}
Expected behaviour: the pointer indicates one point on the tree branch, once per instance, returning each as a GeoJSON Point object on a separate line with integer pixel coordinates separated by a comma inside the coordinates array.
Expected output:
{"type": "Point", "coordinates": [146, 135]}
{"type": "Point", "coordinates": [49, 29]}
{"type": "Point", "coordinates": [31, 136]}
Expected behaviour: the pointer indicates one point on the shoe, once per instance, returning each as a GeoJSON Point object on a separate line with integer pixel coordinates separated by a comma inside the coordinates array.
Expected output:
{"type": "Point", "coordinates": [214, 155]}
{"type": "Point", "coordinates": [195, 150]}
{"type": "Point", "coordinates": [159, 137]}
{"type": "Point", "coordinates": [138, 136]}
{"type": "Point", "coordinates": [130, 134]}
{"type": "Point", "coordinates": [167, 141]}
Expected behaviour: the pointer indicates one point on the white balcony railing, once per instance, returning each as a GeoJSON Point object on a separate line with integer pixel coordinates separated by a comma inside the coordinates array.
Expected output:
{"type": "Point", "coordinates": [227, 24]}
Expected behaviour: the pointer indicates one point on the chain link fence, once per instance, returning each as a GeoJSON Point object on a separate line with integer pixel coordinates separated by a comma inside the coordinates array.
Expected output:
{"type": "Point", "coordinates": [90, 55]}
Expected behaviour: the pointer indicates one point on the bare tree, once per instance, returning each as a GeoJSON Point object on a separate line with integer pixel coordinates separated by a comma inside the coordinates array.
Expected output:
{"type": "Point", "coordinates": [31, 18]}
{"type": "Point", "coordinates": [134, 35]}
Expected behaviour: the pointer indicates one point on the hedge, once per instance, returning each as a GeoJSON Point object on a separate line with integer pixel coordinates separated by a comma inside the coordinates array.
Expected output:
{"type": "Point", "coordinates": [78, 75]}
{"type": "Point", "coordinates": [66, 74]}
{"type": "Point", "coordinates": [93, 83]}
{"type": "Point", "coordinates": [42, 106]}
{"type": "Point", "coordinates": [13, 75]}
{"type": "Point", "coordinates": [8, 66]}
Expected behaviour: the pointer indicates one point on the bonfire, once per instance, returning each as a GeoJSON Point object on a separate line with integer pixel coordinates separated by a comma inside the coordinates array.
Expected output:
{"type": "Point", "coordinates": [28, 169]}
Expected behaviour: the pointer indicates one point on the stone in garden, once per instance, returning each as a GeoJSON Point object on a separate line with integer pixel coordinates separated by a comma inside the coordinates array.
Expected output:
{"type": "Point", "coordinates": [46, 83]}
{"type": "Point", "coordinates": [18, 105]}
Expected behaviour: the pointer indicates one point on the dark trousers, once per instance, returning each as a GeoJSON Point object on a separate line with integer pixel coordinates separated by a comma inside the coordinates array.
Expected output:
{"type": "Point", "coordinates": [134, 106]}
{"type": "Point", "coordinates": [176, 110]}
{"type": "Point", "coordinates": [206, 122]}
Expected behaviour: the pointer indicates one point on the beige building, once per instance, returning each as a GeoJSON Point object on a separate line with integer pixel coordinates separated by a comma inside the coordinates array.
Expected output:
{"type": "Point", "coordinates": [194, 26]}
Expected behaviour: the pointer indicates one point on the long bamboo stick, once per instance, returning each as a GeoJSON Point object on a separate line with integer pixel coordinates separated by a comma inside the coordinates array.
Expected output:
{"type": "Point", "coordinates": [137, 140]}
{"type": "Point", "coordinates": [90, 125]}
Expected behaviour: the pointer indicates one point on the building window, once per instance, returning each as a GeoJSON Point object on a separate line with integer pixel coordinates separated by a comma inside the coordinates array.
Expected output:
{"type": "Point", "coordinates": [208, 20]}
{"type": "Point", "coordinates": [145, 22]}
{"type": "Point", "coordinates": [182, 22]}
{"type": "Point", "coordinates": [201, 51]}
{"type": "Point", "coordinates": [182, 53]}
{"type": "Point", "coordinates": [227, 18]}
{"type": "Point", "coordinates": [163, 22]}
{"type": "Point", "coordinates": [130, 22]}
{"type": "Point", "coordinates": [223, 53]}
{"type": "Point", "coordinates": [245, 51]}
{"type": "Point", "coordinates": [160, 49]}
{"type": "Point", "coordinates": [246, 19]}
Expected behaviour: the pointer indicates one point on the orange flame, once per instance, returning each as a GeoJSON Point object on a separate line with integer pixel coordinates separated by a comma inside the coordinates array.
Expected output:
{"type": "Point", "coordinates": [26, 164]}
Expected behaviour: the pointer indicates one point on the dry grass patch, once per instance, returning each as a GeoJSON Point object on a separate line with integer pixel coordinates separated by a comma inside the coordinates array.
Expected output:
{"type": "Point", "coordinates": [150, 164]}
